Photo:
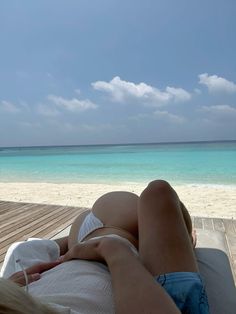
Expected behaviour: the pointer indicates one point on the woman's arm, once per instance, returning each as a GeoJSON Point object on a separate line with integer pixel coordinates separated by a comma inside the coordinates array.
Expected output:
{"type": "Point", "coordinates": [33, 273]}
{"type": "Point", "coordinates": [134, 288]}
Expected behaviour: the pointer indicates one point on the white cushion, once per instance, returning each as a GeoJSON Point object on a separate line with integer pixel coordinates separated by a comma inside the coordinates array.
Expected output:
{"type": "Point", "coordinates": [215, 269]}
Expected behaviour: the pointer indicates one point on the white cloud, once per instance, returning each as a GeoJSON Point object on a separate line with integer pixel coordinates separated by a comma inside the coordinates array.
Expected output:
{"type": "Point", "coordinates": [9, 107]}
{"type": "Point", "coordinates": [140, 116]}
{"type": "Point", "coordinates": [169, 116]}
{"type": "Point", "coordinates": [78, 91]}
{"type": "Point", "coordinates": [89, 128]}
{"type": "Point", "coordinates": [48, 111]}
{"type": "Point", "coordinates": [220, 109]}
{"type": "Point", "coordinates": [160, 115]}
{"type": "Point", "coordinates": [216, 83]}
{"type": "Point", "coordinates": [122, 91]}
{"type": "Point", "coordinates": [197, 91]}
{"type": "Point", "coordinates": [178, 94]}
{"type": "Point", "coordinates": [24, 106]}
{"type": "Point", "coordinates": [27, 124]}
{"type": "Point", "coordinates": [97, 127]}
{"type": "Point", "coordinates": [73, 104]}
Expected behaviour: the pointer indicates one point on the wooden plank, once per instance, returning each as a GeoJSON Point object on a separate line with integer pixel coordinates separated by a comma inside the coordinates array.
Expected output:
{"type": "Point", "coordinates": [27, 230]}
{"type": "Point", "coordinates": [5, 207]}
{"type": "Point", "coordinates": [53, 225]}
{"type": "Point", "coordinates": [48, 230]}
{"type": "Point", "coordinates": [219, 224]}
{"type": "Point", "coordinates": [57, 219]}
{"type": "Point", "coordinates": [26, 219]}
{"type": "Point", "coordinates": [23, 212]}
{"type": "Point", "coordinates": [234, 262]}
{"type": "Point", "coordinates": [16, 211]}
{"type": "Point", "coordinates": [231, 240]}
{"type": "Point", "coordinates": [229, 226]}
{"type": "Point", "coordinates": [34, 211]}
{"type": "Point", "coordinates": [13, 204]}
{"type": "Point", "coordinates": [9, 207]}
{"type": "Point", "coordinates": [198, 223]}
{"type": "Point", "coordinates": [62, 227]}
{"type": "Point", "coordinates": [207, 223]}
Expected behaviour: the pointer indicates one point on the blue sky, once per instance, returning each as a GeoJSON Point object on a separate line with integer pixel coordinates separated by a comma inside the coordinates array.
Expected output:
{"type": "Point", "coordinates": [105, 71]}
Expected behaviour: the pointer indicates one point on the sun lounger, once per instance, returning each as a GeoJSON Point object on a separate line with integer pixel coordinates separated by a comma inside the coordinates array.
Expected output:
{"type": "Point", "coordinates": [215, 268]}
{"type": "Point", "coordinates": [212, 256]}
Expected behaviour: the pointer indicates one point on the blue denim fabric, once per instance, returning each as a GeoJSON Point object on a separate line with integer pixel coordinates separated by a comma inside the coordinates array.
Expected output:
{"type": "Point", "coordinates": [187, 290]}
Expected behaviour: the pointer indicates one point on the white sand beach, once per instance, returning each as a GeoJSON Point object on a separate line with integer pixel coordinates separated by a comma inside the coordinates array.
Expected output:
{"type": "Point", "coordinates": [201, 200]}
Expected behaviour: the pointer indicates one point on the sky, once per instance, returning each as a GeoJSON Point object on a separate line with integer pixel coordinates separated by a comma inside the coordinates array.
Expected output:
{"type": "Point", "coordinates": [75, 72]}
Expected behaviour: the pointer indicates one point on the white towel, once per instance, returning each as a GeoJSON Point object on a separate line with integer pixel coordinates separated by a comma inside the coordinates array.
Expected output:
{"type": "Point", "coordinates": [30, 252]}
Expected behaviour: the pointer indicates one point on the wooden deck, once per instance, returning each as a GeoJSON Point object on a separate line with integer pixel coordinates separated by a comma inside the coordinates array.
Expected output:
{"type": "Point", "coordinates": [20, 221]}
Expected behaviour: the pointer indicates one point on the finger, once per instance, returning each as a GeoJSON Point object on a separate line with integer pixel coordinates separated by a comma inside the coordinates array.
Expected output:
{"type": "Point", "coordinates": [39, 268]}
{"type": "Point", "coordinates": [73, 253]}
{"type": "Point", "coordinates": [86, 250]}
{"type": "Point", "coordinates": [20, 279]}
{"type": "Point", "coordinates": [68, 256]}
{"type": "Point", "coordinates": [16, 275]}
{"type": "Point", "coordinates": [33, 277]}
{"type": "Point", "coordinates": [46, 266]}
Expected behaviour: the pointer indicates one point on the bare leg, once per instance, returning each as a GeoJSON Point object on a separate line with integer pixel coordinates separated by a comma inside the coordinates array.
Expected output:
{"type": "Point", "coordinates": [63, 244]}
{"type": "Point", "coordinates": [164, 241]}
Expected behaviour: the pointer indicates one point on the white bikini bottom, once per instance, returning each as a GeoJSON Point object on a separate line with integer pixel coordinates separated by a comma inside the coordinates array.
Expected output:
{"type": "Point", "coordinates": [92, 223]}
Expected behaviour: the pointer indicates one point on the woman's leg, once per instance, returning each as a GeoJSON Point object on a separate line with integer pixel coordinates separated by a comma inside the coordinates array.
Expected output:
{"type": "Point", "coordinates": [73, 236]}
{"type": "Point", "coordinates": [164, 226]}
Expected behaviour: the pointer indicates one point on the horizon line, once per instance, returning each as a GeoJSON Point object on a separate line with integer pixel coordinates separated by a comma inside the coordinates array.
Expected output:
{"type": "Point", "coordinates": [121, 144]}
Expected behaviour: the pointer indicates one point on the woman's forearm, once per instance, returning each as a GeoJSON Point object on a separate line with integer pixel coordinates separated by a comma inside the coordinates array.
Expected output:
{"type": "Point", "coordinates": [135, 290]}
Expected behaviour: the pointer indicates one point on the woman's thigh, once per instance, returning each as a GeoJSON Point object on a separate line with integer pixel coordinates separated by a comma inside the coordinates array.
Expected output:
{"type": "Point", "coordinates": [164, 242]}
{"type": "Point", "coordinates": [74, 230]}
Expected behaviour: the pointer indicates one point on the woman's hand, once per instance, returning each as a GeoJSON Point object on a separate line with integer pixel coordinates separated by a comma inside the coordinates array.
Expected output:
{"type": "Point", "coordinates": [88, 250]}
{"type": "Point", "coordinates": [33, 273]}
{"type": "Point", "coordinates": [97, 249]}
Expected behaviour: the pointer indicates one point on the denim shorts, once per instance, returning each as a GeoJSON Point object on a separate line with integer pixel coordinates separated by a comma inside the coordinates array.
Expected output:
{"type": "Point", "coordinates": [187, 290]}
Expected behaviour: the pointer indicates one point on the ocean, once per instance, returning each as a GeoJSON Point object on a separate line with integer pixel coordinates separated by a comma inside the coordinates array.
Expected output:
{"type": "Point", "coordinates": [180, 163]}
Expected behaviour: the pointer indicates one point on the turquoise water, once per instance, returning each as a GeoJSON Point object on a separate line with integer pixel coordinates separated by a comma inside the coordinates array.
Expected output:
{"type": "Point", "coordinates": [207, 163]}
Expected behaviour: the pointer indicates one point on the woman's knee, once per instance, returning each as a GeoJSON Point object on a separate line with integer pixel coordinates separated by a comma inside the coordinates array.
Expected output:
{"type": "Point", "coordinates": [158, 188]}
{"type": "Point", "coordinates": [159, 197]}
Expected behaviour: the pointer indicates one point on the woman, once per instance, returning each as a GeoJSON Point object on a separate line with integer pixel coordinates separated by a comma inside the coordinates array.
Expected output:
{"type": "Point", "coordinates": [165, 253]}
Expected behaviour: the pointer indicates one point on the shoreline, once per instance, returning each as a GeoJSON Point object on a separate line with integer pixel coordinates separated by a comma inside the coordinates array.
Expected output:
{"type": "Point", "coordinates": [206, 200]}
